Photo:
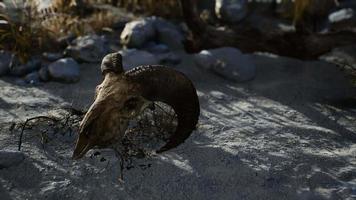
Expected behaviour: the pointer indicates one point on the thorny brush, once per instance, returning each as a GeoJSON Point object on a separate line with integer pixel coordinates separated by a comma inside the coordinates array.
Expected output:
{"type": "Point", "coordinates": [145, 134]}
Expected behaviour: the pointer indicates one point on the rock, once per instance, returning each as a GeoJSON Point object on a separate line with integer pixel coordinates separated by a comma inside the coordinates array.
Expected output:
{"type": "Point", "coordinates": [169, 58]}
{"type": "Point", "coordinates": [231, 11]}
{"type": "Point", "coordinates": [156, 48]}
{"type": "Point", "coordinates": [342, 55]}
{"type": "Point", "coordinates": [64, 70]}
{"type": "Point", "coordinates": [269, 25]}
{"type": "Point", "coordinates": [168, 33]}
{"type": "Point", "coordinates": [340, 15]}
{"type": "Point", "coordinates": [44, 74]}
{"type": "Point", "coordinates": [227, 62]}
{"type": "Point", "coordinates": [10, 158]}
{"type": "Point", "coordinates": [5, 59]}
{"type": "Point", "coordinates": [21, 70]}
{"type": "Point", "coordinates": [32, 78]}
{"type": "Point", "coordinates": [133, 58]}
{"type": "Point", "coordinates": [89, 48]}
{"type": "Point", "coordinates": [64, 41]}
{"type": "Point", "coordinates": [138, 32]}
{"type": "Point", "coordinates": [20, 82]}
{"type": "Point", "coordinates": [52, 56]}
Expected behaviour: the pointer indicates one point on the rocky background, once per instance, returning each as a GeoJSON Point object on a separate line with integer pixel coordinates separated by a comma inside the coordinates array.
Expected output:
{"type": "Point", "coordinates": [271, 127]}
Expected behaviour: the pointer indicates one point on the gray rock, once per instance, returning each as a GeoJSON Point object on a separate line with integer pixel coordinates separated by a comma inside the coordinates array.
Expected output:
{"type": "Point", "coordinates": [231, 11]}
{"type": "Point", "coordinates": [89, 48]}
{"type": "Point", "coordinates": [169, 58]}
{"type": "Point", "coordinates": [168, 33]}
{"type": "Point", "coordinates": [21, 70]}
{"type": "Point", "coordinates": [340, 15]}
{"type": "Point", "coordinates": [52, 56]}
{"type": "Point", "coordinates": [44, 74]}
{"type": "Point", "coordinates": [64, 41]}
{"type": "Point", "coordinates": [10, 158]}
{"type": "Point", "coordinates": [20, 82]}
{"type": "Point", "coordinates": [138, 32]}
{"type": "Point", "coordinates": [341, 56]}
{"type": "Point", "coordinates": [227, 62]}
{"type": "Point", "coordinates": [156, 48]}
{"type": "Point", "coordinates": [64, 70]}
{"type": "Point", "coordinates": [32, 78]}
{"type": "Point", "coordinates": [5, 59]}
{"type": "Point", "coordinates": [269, 25]}
{"type": "Point", "coordinates": [133, 58]}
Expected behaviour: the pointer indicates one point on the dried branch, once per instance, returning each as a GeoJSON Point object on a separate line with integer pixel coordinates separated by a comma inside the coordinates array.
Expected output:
{"type": "Point", "coordinates": [31, 119]}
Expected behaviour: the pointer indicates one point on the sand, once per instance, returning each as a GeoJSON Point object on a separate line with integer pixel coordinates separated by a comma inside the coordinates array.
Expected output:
{"type": "Point", "coordinates": [278, 136]}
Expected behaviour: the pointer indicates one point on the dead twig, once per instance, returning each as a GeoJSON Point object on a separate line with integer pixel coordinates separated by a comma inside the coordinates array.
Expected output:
{"type": "Point", "coordinates": [31, 119]}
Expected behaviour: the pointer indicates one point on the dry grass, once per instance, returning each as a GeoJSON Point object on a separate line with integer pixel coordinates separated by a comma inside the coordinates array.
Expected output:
{"type": "Point", "coordinates": [72, 17]}
{"type": "Point", "coordinates": [33, 29]}
{"type": "Point", "coordinates": [145, 134]}
{"type": "Point", "coordinates": [164, 8]}
{"type": "Point", "coordinates": [312, 7]}
{"type": "Point", "coordinates": [23, 35]}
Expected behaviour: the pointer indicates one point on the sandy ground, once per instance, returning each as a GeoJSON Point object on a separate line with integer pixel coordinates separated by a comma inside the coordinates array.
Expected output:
{"type": "Point", "coordinates": [276, 137]}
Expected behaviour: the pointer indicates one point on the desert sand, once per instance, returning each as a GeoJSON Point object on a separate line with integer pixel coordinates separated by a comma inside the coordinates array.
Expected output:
{"type": "Point", "coordinates": [278, 136]}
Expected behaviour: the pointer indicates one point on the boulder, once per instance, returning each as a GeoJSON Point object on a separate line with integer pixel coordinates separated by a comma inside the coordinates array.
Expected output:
{"type": "Point", "coordinates": [169, 58]}
{"type": "Point", "coordinates": [133, 58]}
{"type": "Point", "coordinates": [5, 59]}
{"type": "Point", "coordinates": [89, 48]}
{"type": "Point", "coordinates": [52, 56]}
{"type": "Point", "coordinates": [155, 48]}
{"type": "Point", "coordinates": [227, 62]}
{"type": "Point", "coordinates": [137, 33]}
{"type": "Point", "coordinates": [44, 74]}
{"type": "Point", "coordinates": [64, 70]}
{"type": "Point", "coordinates": [341, 56]}
{"type": "Point", "coordinates": [340, 15]}
{"type": "Point", "coordinates": [20, 70]}
{"type": "Point", "coordinates": [10, 158]}
{"type": "Point", "coordinates": [168, 33]}
{"type": "Point", "coordinates": [231, 11]}
{"type": "Point", "coordinates": [32, 78]}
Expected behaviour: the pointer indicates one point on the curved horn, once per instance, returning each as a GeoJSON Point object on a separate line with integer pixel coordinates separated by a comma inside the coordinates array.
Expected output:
{"type": "Point", "coordinates": [164, 84]}
{"type": "Point", "coordinates": [112, 63]}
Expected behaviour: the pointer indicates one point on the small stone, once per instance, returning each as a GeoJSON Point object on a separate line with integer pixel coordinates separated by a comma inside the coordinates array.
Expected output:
{"type": "Point", "coordinates": [52, 56]}
{"type": "Point", "coordinates": [340, 15]}
{"type": "Point", "coordinates": [231, 11]}
{"type": "Point", "coordinates": [5, 59]}
{"type": "Point", "coordinates": [21, 70]}
{"type": "Point", "coordinates": [345, 55]}
{"type": "Point", "coordinates": [10, 158]}
{"type": "Point", "coordinates": [44, 74]}
{"type": "Point", "coordinates": [89, 48]}
{"type": "Point", "coordinates": [65, 70]}
{"type": "Point", "coordinates": [32, 78]}
{"type": "Point", "coordinates": [227, 62]}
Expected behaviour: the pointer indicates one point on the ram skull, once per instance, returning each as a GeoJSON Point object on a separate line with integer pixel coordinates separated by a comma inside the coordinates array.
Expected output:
{"type": "Point", "coordinates": [122, 96]}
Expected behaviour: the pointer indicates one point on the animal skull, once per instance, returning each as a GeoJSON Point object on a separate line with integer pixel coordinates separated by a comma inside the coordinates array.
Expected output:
{"type": "Point", "coordinates": [122, 96]}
